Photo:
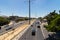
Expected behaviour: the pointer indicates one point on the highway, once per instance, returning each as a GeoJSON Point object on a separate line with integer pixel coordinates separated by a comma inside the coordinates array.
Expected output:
{"type": "Point", "coordinates": [11, 34]}
{"type": "Point", "coordinates": [14, 25]}
{"type": "Point", "coordinates": [28, 34]}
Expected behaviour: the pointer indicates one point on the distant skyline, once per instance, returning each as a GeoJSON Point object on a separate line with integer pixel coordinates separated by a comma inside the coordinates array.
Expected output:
{"type": "Point", "coordinates": [39, 8]}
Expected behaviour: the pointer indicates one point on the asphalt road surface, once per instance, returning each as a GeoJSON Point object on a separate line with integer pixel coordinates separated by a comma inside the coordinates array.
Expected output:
{"type": "Point", "coordinates": [28, 34]}
{"type": "Point", "coordinates": [10, 27]}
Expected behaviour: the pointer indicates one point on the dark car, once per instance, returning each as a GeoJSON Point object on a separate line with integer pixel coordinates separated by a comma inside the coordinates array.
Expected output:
{"type": "Point", "coordinates": [38, 26]}
{"type": "Point", "coordinates": [0, 28]}
{"type": "Point", "coordinates": [31, 25]}
{"type": "Point", "coordinates": [38, 23]}
{"type": "Point", "coordinates": [9, 28]}
{"type": "Point", "coordinates": [33, 32]}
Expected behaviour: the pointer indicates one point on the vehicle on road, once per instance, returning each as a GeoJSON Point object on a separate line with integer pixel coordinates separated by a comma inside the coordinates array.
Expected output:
{"type": "Point", "coordinates": [33, 32]}
{"type": "Point", "coordinates": [38, 26]}
{"type": "Point", "coordinates": [0, 28]}
{"type": "Point", "coordinates": [31, 25]}
{"type": "Point", "coordinates": [9, 28]}
{"type": "Point", "coordinates": [37, 23]}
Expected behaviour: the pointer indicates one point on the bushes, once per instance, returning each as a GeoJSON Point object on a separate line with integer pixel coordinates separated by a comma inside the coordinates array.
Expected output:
{"type": "Point", "coordinates": [3, 21]}
{"type": "Point", "coordinates": [19, 20]}
{"type": "Point", "coordinates": [53, 21]}
{"type": "Point", "coordinates": [51, 16]}
{"type": "Point", "coordinates": [54, 25]}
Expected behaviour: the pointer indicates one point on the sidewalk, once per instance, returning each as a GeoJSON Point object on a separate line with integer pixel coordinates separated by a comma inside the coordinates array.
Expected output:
{"type": "Point", "coordinates": [11, 34]}
{"type": "Point", "coordinates": [44, 31]}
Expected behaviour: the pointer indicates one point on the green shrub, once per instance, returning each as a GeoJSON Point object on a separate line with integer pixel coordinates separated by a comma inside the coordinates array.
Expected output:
{"type": "Point", "coordinates": [54, 25]}
{"type": "Point", "coordinates": [3, 21]}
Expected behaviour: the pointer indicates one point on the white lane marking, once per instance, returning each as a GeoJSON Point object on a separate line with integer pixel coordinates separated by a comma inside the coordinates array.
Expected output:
{"type": "Point", "coordinates": [42, 31]}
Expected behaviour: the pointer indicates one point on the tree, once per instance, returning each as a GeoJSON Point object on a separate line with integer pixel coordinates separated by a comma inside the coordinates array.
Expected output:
{"type": "Point", "coordinates": [3, 21]}
{"type": "Point", "coordinates": [53, 21]}
{"type": "Point", "coordinates": [40, 18]}
{"type": "Point", "coordinates": [51, 16]}
{"type": "Point", "coordinates": [55, 24]}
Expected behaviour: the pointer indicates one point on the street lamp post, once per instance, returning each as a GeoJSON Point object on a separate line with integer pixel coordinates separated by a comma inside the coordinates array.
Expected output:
{"type": "Point", "coordinates": [29, 11]}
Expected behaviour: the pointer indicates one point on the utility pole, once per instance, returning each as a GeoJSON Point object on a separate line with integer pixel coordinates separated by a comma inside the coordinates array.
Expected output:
{"type": "Point", "coordinates": [29, 11]}
{"type": "Point", "coordinates": [12, 17]}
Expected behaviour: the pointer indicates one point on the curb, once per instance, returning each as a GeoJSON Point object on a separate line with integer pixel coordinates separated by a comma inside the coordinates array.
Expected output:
{"type": "Point", "coordinates": [44, 34]}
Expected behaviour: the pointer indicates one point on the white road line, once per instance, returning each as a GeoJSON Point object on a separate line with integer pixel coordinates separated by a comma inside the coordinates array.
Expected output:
{"type": "Point", "coordinates": [42, 31]}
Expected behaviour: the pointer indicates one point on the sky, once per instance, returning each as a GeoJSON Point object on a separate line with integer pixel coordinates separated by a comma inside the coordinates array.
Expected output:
{"type": "Point", "coordinates": [39, 8]}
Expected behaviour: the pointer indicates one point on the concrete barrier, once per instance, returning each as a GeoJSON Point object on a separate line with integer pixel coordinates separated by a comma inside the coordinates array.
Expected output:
{"type": "Point", "coordinates": [21, 33]}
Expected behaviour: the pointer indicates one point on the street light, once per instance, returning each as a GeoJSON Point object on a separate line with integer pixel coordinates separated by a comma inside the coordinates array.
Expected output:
{"type": "Point", "coordinates": [29, 11]}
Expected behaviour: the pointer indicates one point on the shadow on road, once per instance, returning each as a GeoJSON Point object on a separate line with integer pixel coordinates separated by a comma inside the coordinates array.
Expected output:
{"type": "Point", "coordinates": [54, 36]}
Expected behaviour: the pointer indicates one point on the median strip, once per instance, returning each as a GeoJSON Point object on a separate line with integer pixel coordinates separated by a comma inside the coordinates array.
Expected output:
{"type": "Point", "coordinates": [12, 33]}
